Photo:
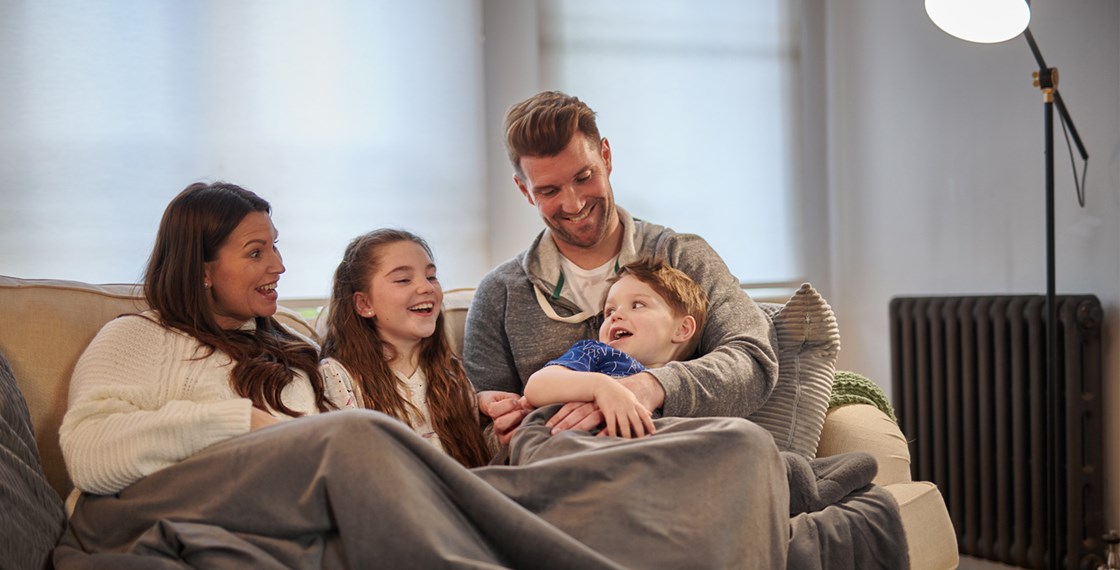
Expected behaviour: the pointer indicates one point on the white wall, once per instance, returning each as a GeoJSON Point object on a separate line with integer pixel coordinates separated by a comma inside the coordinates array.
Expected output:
{"type": "Point", "coordinates": [512, 55]}
{"type": "Point", "coordinates": [936, 172]}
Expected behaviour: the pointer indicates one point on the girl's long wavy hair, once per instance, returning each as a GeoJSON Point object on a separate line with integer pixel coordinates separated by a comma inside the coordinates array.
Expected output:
{"type": "Point", "coordinates": [194, 227]}
{"type": "Point", "coordinates": [353, 341]}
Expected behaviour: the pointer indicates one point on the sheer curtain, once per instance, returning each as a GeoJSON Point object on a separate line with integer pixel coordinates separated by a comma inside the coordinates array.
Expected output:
{"type": "Point", "coordinates": [700, 103]}
{"type": "Point", "coordinates": [353, 114]}
{"type": "Point", "coordinates": [345, 114]}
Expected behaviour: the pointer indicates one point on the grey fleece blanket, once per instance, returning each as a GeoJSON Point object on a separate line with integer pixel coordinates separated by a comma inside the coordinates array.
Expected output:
{"type": "Point", "coordinates": [839, 520]}
{"type": "Point", "coordinates": [357, 489]}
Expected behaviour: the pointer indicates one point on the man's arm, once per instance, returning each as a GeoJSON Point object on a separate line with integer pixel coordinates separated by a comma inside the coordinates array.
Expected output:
{"type": "Point", "coordinates": [647, 389]}
{"type": "Point", "coordinates": [487, 356]}
{"type": "Point", "coordinates": [739, 363]}
{"type": "Point", "coordinates": [488, 360]}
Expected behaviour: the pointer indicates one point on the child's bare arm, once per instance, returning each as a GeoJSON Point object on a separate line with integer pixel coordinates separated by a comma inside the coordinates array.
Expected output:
{"type": "Point", "coordinates": [556, 384]}
{"type": "Point", "coordinates": [623, 414]}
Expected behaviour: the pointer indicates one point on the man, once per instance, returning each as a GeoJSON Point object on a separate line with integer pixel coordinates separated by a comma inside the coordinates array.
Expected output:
{"type": "Point", "coordinates": [530, 309]}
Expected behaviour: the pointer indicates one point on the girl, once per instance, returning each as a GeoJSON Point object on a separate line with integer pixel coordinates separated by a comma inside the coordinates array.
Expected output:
{"type": "Point", "coordinates": [385, 338]}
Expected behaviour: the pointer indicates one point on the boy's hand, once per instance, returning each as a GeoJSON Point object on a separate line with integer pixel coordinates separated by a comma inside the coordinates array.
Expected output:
{"type": "Point", "coordinates": [623, 414]}
{"type": "Point", "coordinates": [581, 415]}
{"type": "Point", "coordinates": [506, 409]}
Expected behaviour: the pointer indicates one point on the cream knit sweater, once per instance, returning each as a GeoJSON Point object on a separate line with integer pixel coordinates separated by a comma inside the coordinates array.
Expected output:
{"type": "Point", "coordinates": [143, 397]}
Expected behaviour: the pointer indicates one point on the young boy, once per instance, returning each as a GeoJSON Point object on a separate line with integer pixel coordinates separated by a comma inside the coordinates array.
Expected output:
{"type": "Point", "coordinates": [651, 316]}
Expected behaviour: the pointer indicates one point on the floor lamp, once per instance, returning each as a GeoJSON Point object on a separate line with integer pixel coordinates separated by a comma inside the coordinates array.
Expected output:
{"type": "Point", "coordinates": [992, 21]}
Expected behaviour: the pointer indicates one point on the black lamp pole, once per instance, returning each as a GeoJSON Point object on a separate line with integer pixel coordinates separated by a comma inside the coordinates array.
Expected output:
{"type": "Point", "coordinates": [1046, 79]}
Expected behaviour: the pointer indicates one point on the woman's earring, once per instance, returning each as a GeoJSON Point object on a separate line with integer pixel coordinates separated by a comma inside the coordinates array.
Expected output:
{"type": "Point", "coordinates": [205, 284]}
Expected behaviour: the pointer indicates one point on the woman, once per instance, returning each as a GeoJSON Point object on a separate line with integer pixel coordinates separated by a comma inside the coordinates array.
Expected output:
{"type": "Point", "coordinates": [207, 362]}
{"type": "Point", "coordinates": [386, 338]}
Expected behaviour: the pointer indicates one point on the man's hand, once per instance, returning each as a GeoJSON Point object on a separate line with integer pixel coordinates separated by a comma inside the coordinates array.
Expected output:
{"type": "Point", "coordinates": [576, 415]}
{"type": "Point", "coordinates": [506, 409]}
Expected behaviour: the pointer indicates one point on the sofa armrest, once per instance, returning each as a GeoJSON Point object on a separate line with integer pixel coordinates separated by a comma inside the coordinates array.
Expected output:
{"type": "Point", "coordinates": [930, 537]}
{"type": "Point", "coordinates": [863, 427]}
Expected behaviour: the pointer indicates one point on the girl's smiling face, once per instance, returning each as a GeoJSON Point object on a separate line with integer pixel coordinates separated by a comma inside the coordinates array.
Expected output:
{"type": "Point", "coordinates": [242, 277]}
{"type": "Point", "coordinates": [403, 295]}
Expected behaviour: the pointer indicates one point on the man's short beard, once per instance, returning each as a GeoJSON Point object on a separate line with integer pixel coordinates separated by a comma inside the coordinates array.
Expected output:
{"type": "Point", "coordinates": [605, 209]}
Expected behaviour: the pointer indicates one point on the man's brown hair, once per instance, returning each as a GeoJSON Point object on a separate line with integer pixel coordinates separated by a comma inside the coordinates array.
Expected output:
{"type": "Point", "coordinates": [544, 124]}
{"type": "Point", "coordinates": [680, 292]}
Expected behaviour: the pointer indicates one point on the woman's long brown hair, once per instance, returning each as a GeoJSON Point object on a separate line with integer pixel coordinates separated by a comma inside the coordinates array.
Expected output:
{"type": "Point", "coordinates": [354, 342]}
{"type": "Point", "coordinates": [194, 226]}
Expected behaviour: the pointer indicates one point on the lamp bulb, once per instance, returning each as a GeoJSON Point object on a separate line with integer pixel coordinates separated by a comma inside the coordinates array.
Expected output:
{"type": "Point", "coordinates": [981, 21]}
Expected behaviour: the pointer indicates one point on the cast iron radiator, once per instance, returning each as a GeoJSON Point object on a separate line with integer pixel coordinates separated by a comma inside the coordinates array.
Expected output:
{"type": "Point", "coordinates": [969, 385]}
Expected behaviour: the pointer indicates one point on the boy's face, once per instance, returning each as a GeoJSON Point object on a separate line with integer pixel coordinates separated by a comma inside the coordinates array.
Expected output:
{"type": "Point", "coordinates": [638, 321]}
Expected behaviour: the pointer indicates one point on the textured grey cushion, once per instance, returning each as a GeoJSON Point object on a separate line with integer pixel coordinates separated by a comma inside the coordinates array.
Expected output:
{"type": "Point", "coordinates": [31, 516]}
{"type": "Point", "coordinates": [808, 342]}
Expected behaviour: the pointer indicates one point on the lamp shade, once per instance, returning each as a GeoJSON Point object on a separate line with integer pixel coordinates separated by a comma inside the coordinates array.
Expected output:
{"type": "Point", "coordinates": [981, 21]}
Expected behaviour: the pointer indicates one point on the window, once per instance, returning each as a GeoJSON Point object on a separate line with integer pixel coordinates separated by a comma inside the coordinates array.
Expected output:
{"type": "Point", "coordinates": [349, 115]}
{"type": "Point", "coordinates": [698, 101]}
{"type": "Point", "coordinates": [345, 115]}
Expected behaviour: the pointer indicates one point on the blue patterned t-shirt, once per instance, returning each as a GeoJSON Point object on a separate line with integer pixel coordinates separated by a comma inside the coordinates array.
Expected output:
{"type": "Point", "coordinates": [594, 356]}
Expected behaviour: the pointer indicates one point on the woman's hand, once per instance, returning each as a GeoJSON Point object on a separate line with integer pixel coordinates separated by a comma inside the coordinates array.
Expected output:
{"type": "Point", "coordinates": [259, 418]}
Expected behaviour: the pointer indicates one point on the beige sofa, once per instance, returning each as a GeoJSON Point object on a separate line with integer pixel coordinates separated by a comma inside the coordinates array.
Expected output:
{"type": "Point", "coordinates": [46, 324]}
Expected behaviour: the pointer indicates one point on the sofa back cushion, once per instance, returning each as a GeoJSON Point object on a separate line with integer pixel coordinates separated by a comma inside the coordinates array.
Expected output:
{"type": "Point", "coordinates": [808, 344]}
{"type": "Point", "coordinates": [46, 326]}
{"type": "Point", "coordinates": [455, 305]}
